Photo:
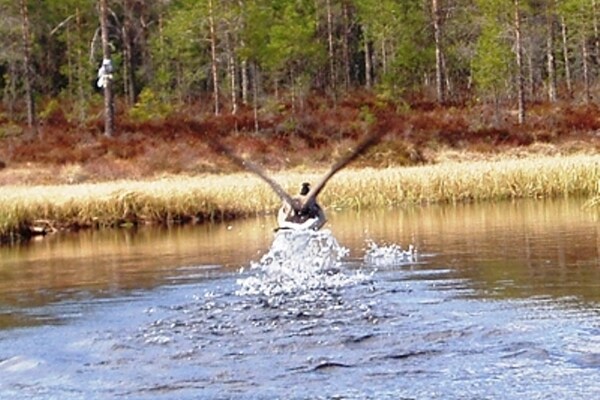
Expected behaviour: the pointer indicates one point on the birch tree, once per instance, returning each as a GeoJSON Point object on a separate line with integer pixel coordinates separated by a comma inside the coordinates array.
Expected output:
{"type": "Point", "coordinates": [27, 62]}
{"type": "Point", "coordinates": [578, 21]}
{"type": "Point", "coordinates": [72, 27]}
{"type": "Point", "coordinates": [105, 77]}
{"type": "Point", "coordinates": [519, 62]}
{"type": "Point", "coordinates": [397, 32]}
{"type": "Point", "coordinates": [437, 33]}
{"type": "Point", "coordinates": [491, 66]}
{"type": "Point", "coordinates": [550, 17]}
{"type": "Point", "coordinates": [181, 52]}
{"type": "Point", "coordinates": [213, 55]}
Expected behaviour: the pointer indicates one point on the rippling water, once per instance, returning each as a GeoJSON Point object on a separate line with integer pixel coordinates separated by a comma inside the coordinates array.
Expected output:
{"type": "Point", "coordinates": [495, 301]}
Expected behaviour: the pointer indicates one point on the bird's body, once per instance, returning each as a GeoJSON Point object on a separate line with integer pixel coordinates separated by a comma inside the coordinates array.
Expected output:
{"type": "Point", "coordinates": [299, 215]}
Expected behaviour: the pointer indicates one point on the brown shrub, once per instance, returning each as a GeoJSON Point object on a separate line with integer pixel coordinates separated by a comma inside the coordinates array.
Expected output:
{"type": "Point", "coordinates": [583, 118]}
{"type": "Point", "coordinates": [313, 135]}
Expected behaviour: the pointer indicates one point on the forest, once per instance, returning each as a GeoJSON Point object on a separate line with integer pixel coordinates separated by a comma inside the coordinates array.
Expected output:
{"type": "Point", "coordinates": [113, 95]}
{"type": "Point", "coordinates": [499, 71]}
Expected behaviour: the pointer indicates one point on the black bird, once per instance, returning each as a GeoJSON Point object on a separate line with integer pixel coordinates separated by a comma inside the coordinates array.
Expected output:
{"type": "Point", "coordinates": [303, 211]}
{"type": "Point", "coordinates": [311, 216]}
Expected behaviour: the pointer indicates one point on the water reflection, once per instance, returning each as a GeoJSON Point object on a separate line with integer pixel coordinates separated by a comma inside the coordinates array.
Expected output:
{"type": "Point", "coordinates": [501, 303]}
{"type": "Point", "coordinates": [75, 266]}
{"type": "Point", "coordinates": [512, 249]}
{"type": "Point", "coordinates": [520, 249]}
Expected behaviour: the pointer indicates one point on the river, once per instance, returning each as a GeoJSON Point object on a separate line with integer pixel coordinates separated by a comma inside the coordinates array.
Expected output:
{"type": "Point", "coordinates": [439, 302]}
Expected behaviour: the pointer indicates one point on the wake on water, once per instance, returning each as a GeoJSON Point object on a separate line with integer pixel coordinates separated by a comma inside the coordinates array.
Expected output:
{"type": "Point", "coordinates": [389, 255]}
{"type": "Point", "coordinates": [307, 264]}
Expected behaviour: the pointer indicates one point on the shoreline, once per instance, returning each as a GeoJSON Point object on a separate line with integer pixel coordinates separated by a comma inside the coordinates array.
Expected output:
{"type": "Point", "coordinates": [30, 210]}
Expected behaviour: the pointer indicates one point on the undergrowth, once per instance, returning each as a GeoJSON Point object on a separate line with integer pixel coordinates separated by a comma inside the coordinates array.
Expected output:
{"type": "Point", "coordinates": [152, 139]}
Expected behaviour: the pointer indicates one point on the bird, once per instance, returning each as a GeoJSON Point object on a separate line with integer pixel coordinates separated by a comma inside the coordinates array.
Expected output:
{"type": "Point", "coordinates": [310, 217]}
{"type": "Point", "coordinates": [303, 211]}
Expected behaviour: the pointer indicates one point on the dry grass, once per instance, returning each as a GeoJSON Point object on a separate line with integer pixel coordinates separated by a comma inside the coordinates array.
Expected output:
{"type": "Point", "coordinates": [541, 177]}
{"type": "Point", "coordinates": [218, 197]}
{"type": "Point", "coordinates": [593, 203]}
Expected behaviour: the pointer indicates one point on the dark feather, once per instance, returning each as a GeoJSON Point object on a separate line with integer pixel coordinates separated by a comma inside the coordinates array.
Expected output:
{"type": "Point", "coordinates": [363, 146]}
{"type": "Point", "coordinates": [310, 199]}
{"type": "Point", "coordinates": [250, 166]}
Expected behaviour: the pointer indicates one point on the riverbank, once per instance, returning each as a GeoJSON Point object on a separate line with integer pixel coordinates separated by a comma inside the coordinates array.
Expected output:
{"type": "Point", "coordinates": [39, 209]}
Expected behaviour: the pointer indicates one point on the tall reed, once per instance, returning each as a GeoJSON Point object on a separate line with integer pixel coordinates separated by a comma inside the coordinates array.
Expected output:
{"type": "Point", "coordinates": [542, 177]}
{"type": "Point", "coordinates": [217, 197]}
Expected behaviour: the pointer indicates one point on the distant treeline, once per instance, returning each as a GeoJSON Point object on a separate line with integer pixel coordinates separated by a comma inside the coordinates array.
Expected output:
{"type": "Point", "coordinates": [231, 54]}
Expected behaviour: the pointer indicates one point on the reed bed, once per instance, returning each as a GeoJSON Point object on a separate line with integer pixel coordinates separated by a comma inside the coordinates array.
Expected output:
{"type": "Point", "coordinates": [540, 177]}
{"type": "Point", "coordinates": [219, 197]}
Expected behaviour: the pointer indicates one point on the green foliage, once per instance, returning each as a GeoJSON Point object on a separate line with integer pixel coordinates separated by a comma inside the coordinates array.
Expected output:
{"type": "Point", "coordinates": [282, 35]}
{"type": "Point", "coordinates": [51, 109]}
{"type": "Point", "coordinates": [411, 61]}
{"type": "Point", "coordinates": [180, 51]}
{"type": "Point", "coordinates": [367, 116]}
{"type": "Point", "coordinates": [403, 27]}
{"type": "Point", "coordinates": [282, 46]}
{"type": "Point", "coordinates": [8, 129]}
{"type": "Point", "coordinates": [149, 107]}
{"type": "Point", "coordinates": [492, 62]}
{"type": "Point", "coordinates": [577, 13]}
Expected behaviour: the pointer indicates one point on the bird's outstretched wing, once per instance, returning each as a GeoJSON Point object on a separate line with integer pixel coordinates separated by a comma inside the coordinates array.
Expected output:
{"type": "Point", "coordinates": [367, 142]}
{"type": "Point", "coordinates": [363, 146]}
{"type": "Point", "coordinates": [250, 166]}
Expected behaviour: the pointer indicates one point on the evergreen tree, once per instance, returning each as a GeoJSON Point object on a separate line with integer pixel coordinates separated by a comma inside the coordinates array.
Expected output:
{"type": "Point", "coordinates": [493, 61]}
{"type": "Point", "coordinates": [227, 53]}
{"type": "Point", "coordinates": [580, 37]}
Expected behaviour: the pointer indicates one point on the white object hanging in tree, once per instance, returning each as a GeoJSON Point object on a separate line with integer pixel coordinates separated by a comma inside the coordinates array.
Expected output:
{"type": "Point", "coordinates": [105, 72]}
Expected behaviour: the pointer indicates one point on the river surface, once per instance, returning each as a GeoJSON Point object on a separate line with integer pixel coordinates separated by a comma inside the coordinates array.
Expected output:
{"type": "Point", "coordinates": [498, 301]}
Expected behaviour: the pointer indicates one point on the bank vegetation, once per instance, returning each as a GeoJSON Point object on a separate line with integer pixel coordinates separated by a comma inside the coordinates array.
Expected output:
{"type": "Point", "coordinates": [29, 210]}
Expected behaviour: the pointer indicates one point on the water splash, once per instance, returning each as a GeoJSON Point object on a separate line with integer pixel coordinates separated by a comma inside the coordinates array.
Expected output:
{"type": "Point", "coordinates": [389, 255]}
{"type": "Point", "coordinates": [303, 264]}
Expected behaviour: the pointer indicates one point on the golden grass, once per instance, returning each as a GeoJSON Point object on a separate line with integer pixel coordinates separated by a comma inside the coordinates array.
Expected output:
{"type": "Point", "coordinates": [542, 177]}
{"type": "Point", "coordinates": [594, 202]}
{"type": "Point", "coordinates": [217, 197]}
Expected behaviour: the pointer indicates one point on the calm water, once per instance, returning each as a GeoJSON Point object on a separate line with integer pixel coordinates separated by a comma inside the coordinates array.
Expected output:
{"type": "Point", "coordinates": [501, 301]}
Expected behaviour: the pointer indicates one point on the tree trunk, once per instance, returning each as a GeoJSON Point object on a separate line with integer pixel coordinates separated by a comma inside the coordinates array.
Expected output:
{"type": "Point", "coordinates": [368, 63]}
{"type": "Point", "coordinates": [109, 107]}
{"type": "Point", "coordinates": [292, 76]}
{"type": "Point", "coordinates": [520, 67]}
{"type": "Point", "coordinates": [596, 32]}
{"type": "Point", "coordinates": [565, 47]}
{"type": "Point", "coordinates": [28, 78]}
{"type": "Point", "coordinates": [10, 89]}
{"type": "Point", "coordinates": [530, 87]}
{"type": "Point", "coordinates": [330, 47]}
{"type": "Point", "coordinates": [439, 67]}
{"type": "Point", "coordinates": [245, 82]}
{"type": "Point", "coordinates": [244, 61]}
{"type": "Point", "coordinates": [213, 55]}
{"type": "Point", "coordinates": [550, 61]}
{"type": "Point", "coordinates": [81, 99]}
{"type": "Point", "coordinates": [70, 66]}
{"type": "Point", "coordinates": [585, 68]}
{"type": "Point", "coordinates": [255, 82]}
{"type": "Point", "coordinates": [128, 76]}
{"type": "Point", "coordinates": [232, 75]}
{"type": "Point", "coordinates": [346, 45]}
{"type": "Point", "coordinates": [384, 61]}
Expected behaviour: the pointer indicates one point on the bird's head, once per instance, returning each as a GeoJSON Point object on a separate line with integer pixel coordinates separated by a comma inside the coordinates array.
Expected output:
{"type": "Point", "coordinates": [305, 189]}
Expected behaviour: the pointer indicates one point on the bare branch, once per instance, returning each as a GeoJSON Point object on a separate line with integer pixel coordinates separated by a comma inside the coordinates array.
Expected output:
{"type": "Point", "coordinates": [60, 25]}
